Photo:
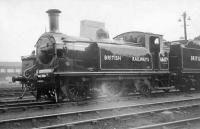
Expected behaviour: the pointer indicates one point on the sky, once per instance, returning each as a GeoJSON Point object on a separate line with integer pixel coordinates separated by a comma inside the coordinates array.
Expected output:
{"type": "Point", "coordinates": [22, 22]}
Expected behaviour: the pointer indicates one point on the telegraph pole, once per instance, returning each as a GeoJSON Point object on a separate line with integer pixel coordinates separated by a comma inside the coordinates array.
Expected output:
{"type": "Point", "coordinates": [184, 15]}
{"type": "Point", "coordinates": [184, 24]}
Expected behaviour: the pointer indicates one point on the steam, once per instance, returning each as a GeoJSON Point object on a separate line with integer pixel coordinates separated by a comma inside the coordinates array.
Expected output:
{"type": "Point", "coordinates": [111, 90]}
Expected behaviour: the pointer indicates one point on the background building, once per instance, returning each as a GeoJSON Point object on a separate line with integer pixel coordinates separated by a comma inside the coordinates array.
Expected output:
{"type": "Point", "coordinates": [9, 69]}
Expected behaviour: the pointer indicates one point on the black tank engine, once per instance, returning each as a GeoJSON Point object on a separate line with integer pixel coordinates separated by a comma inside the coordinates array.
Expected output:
{"type": "Point", "coordinates": [77, 68]}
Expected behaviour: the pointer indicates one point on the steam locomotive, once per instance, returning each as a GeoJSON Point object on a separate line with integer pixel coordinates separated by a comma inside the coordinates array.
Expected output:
{"type": "Point", "coordinates": [78, 68]}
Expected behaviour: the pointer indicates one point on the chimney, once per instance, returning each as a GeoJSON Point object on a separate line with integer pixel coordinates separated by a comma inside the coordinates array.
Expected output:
{"type": "Point", "coordinates": [53, 20]}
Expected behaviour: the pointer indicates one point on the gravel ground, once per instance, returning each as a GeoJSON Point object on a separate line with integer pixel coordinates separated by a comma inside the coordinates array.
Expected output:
{"type": "Point", "coordinates": [155, 118]}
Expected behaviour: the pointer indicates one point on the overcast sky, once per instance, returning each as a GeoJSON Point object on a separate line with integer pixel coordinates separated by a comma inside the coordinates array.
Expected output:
{"type": "Point", "coordinates": [23, 21]}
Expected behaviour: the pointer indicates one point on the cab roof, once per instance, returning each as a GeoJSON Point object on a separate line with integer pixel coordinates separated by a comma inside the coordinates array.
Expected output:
{"type": "Point", "coordinates": [138, 32]}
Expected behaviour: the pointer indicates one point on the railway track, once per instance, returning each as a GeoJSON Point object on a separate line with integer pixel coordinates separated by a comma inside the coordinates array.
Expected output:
{"type": "Point", "coordinates": [14, 100]}
{"type": "Point", "coordinates": [93, 123]}
{"type": "Point", "coordinates": [185, 123]}
{"type": "Point", "coordinates": [16, 92]}
{"type": "Point", "coordinates": [30, 103]}
{"type": "Point", "coordinates": [93, 117]}
{"type": "Point", "coordinates": [25, 106]}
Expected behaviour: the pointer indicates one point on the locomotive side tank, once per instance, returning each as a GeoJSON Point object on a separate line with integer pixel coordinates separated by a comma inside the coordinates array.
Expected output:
{"type": "Point", "coordinates": [124, 57]}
